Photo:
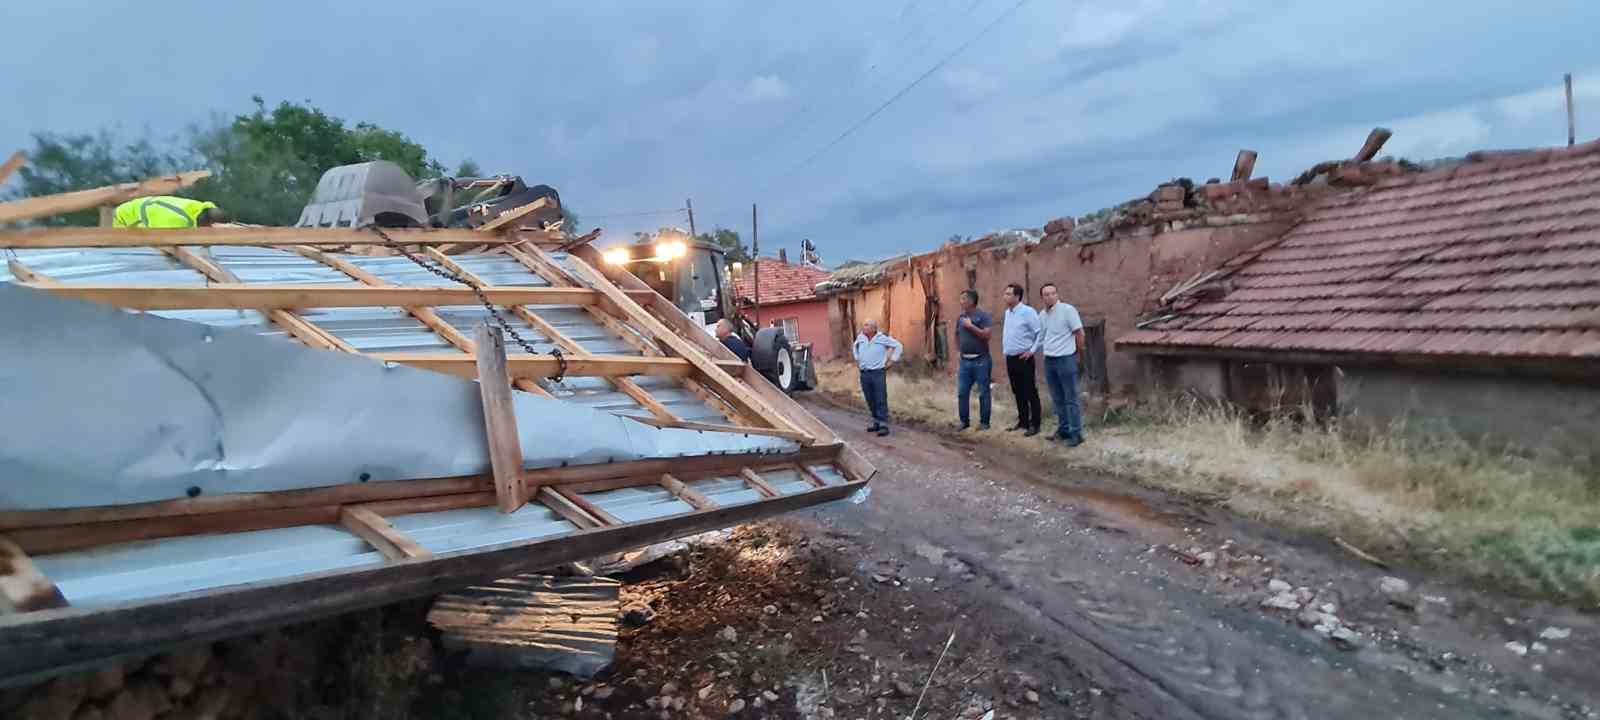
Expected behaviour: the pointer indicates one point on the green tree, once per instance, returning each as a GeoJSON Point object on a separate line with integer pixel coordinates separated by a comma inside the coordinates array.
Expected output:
{"type": "Point", "coordinates": [468, 168]}
{"type": "Point", "coordinates": [63, 163]}
{"type": "Point", "coordinates": [732, 247]}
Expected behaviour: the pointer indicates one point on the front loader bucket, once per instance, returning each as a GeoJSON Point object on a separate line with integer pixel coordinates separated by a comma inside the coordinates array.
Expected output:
{"type": "Point", "coordinates": [370, 193]}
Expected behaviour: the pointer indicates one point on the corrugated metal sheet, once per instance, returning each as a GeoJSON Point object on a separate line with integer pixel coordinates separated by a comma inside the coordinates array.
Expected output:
{"type": "Point", "coordinates": [1515, 240]}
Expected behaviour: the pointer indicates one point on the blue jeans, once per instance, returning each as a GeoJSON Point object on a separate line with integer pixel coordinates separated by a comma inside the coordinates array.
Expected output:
{"type": "Point", "coordinates": [875, 388]}
{"type": "Point", "coordinates": [975, 371]}
{"type": "Point", "coordinates": [1062, 375]}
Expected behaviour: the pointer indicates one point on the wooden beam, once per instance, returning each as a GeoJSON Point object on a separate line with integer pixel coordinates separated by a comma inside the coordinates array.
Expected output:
{"type": "Point", "coordinates": [61, 203]}
{"type": "Point", "coordinates": [758, 482]}
{"type": "Point", "coordinates": [380, 534]}
{"type": "Point", "coordinates": [567, 345]}
{"type": "Point", "coordinates": [296, 326]}
{"type": "Point", "coordinates": [513, 215]}
{"type": "Point", "coordinates": [23, 588]}
{"type": "Point", "coordinates": [26, 274]}
{"type": "Point", "coordinates": [685, 493]}
{"type": "Point", "coordinates": [594, 511]}
{"type": "Point", "coordinates": [226, 295]}
{"type": "Point", "coordinates": [35, 646]}
{"type": "Point", "coordinates": [542, 265]}
{"type": "Point", "coordinates": [798, 437]}
{"type": "Point", "coordinates": [542, 366]}
{"type": "Point", "coordinates": [708, 370]}
{"type": "Point", "coordinates": [11, 165]}
{"type": "Point", "coordinates": [500, 419]}
{"type": "Point", "coordinates": [580, 241]}
{"type": "Point", "coordinates": [1374, 143]}
{"type": "Point", "coordinates": [563, 506]}
{"type": "Point", "coordinates": [243, 235]}
{"type": "Point", "coordinates": [810, 476]}
{"type": "Point", "coordinates": [1244, 165]}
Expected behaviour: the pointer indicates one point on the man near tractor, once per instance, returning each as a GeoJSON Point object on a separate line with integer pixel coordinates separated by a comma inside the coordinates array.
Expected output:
{"type": "Point", "coordinates": [167, 212]}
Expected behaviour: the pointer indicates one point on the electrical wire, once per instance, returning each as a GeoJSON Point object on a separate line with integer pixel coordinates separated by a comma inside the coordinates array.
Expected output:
{"type": "Point", "coordinates": [640, 213]}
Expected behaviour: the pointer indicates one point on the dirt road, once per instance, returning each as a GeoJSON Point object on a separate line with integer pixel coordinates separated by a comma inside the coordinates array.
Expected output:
{"type": "Point", "coordinates": [1077, 579]}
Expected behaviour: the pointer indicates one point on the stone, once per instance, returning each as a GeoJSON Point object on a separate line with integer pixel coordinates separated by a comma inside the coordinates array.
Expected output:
{"type": "Point", "coordinates": [728, 634]}
{"type": "Point", "coordinates": [670, 688]}
{"type": "Point", "coordinates": [769, 695]}
{"type": "Point", "coordinates": [1345, 638]}
{"type": "Point", "coordinates": [180, 687]}
{"type": "Point", "coordinates": [904, 689]}
{"type": "Point", "coordinates": [678, 703]}
{"type": "Point", "coordinates": [1329, 608]}
{"type": "Point", "coordinates": [1031, 697]}
{"type": "Point", "coordinates": [638, 614]}
{"type": "Point", "coordinates": [736, 706]}
{"type": "Point", "coordinates": [816, 619]}
{"type": "Point", "coordinates": [129, 705]}
{"type": "Point", "coordinates": [880, 578]}
{"type": "Point", "coordinates": [1393, 586]}
{"type": "Point", "coordinates": [1309, 617]}
{"type": "Point", "coordinates": [1555, 633]}
{"type": "Point", "coordinates": [1539, 647]}
{"type": "Point", "coordinates": [604, 692]}
{"type": "Point", "coordinates": [1281, 601]}
{"type": "Point", "coordinates": [770, 609]}
{"type": "Point", "coordinates": [757, 679]}
{"type": "Point", "coordinates": [705, 692]}
{"type": "Point", "coordinates": [1517, 648]}
{"type": "Point", "coordinates": [106, 681]}
{"type": "Point", "coordinates": [1276, 586]}
{"type": "Point", "coordinates": [1207, 558]}
{"type": "Point", "coordinates": [1304, 595]}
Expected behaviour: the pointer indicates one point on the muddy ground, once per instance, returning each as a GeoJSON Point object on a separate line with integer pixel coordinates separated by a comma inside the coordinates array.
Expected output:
{"type": "Point", "coordinates": [1066, 596]}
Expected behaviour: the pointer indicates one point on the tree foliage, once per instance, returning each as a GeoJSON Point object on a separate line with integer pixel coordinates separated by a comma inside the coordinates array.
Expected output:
{"type": "Point", "coordinates": [732, 246]}
{"type": "Point", "coordinates": [63, 163]}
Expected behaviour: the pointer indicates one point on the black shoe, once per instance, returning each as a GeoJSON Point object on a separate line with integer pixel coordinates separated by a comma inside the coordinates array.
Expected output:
{"type": "Point", "coordinates": [1074, 442]}
{"type": "Point", "coordinates": [874, 427]}
{"type": "Point", "coordinates": [883, 431]}
{"type": "Point", "coordinates": [983, 427]}
{"type": "Point", "coordinates": [1016, 427]}
{"type": "Point", "coordinates": [1031, 432]}
{"type": "Point", "coordinates": [964, 427]}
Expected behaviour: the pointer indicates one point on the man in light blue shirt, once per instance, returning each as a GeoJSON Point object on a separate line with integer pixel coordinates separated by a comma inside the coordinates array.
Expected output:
{"type": "Point", "coordinates": [1062, 343]}
{"type": "Point", "coordinates": [875, 353]}
{"type": "Point", "coordinates": [1021, 340]}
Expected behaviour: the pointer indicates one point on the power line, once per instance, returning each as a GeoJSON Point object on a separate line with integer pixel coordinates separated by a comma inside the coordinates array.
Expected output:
{"type": "Point", "coordinates": [908, 88]}
{"type": "Point", "coordinates": [641, 213]}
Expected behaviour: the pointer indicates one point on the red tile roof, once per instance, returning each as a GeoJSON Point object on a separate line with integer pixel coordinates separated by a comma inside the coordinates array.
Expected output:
{"type": "Point", "coordinates": [780, 283]}
{"type": "Point", "coordinates": [1497, 258]}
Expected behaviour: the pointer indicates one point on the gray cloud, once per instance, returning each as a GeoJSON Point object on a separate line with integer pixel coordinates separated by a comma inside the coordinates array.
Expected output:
{"type": "Point", "coordinates": [1064, 108]}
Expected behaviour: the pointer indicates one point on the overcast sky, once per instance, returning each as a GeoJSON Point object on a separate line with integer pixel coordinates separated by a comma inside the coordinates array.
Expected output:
{"type": "Point", "coordinates": [1038, 110]}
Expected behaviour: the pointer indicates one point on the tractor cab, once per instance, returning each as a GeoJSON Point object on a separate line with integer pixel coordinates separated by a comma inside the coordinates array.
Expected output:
{"type": "Point", "coordinates": [696, 277]}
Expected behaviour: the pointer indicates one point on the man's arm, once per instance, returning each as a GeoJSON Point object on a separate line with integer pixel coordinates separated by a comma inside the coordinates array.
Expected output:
{"type": "Point", "coordinates": [982, 331]}
{"type": "Point", "coordinates": [1077, 337]}
{"type": "Point", "coordinates": [1033, 322]}
{"type": "Point", "coordinates": [895, 348]}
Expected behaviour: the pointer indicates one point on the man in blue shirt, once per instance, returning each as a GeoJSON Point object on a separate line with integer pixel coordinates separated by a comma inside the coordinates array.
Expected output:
{"type": "Point", "coordinates": [875, 353]}
{"type": "Point", "coordinates": [1020, 342]}
{"type": "Point", "coordinates": [973, 329]}
{"type": "Point", "coordinates": [731, 341]}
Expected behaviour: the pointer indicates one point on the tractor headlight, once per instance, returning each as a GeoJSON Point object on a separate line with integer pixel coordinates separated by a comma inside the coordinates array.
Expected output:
{"type": "Point", "coordinates": [617, 256]}
{"type": "Point", "coordinates": [671, 250]}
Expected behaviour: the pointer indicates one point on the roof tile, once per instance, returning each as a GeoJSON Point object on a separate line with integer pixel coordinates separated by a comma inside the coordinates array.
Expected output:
{"type": "Point", "coordinates": [781, 282]}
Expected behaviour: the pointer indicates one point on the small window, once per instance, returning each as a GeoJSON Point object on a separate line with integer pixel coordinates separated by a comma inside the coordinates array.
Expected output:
{"type": "Point", "coordinates": [791, 329]}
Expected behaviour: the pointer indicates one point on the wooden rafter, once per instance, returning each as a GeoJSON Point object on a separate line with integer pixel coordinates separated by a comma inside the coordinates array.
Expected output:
{"type": "Point", "coordinates": [297, 326]}
{"type": "Point", "coordinates": [23, 587]}
{"type": "Point", "coordinates": [244, 235]}
{"type": "Point", "coordinates": [233, 295]}
{"type": "Point", "coordinates": [11, 165]}
{"type": "Point", "coordinates": [568, 345]}
{"type": "Point", "coordinates": [798, 437]}
{"type": "Point", "coordinates": [48, 205]}
{"type": "Point", "coordinates": [685, 493]}
{"type": "Point", "coordinates": [380, 534]}
{"type": "Point", "coordinates": [28, 275]}
{"type": "Point", "coordinates": [523, 365]}
{"type": "Point", "coordinates": [759, 483]}
{"type": "Point", "coordinates": [810, 475]}
{"type": "Point", "coordinates": [594, 511]}
{"type": "Point", "coordinates": [500, 419]}
{"type": "Point", "coordinates": [567, 509]}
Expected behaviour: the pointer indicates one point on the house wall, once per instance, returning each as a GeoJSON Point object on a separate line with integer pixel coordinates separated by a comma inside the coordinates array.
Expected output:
{"type": "Point", "coordinates": [1529, 412]}
{"type": "Point", "coordinates": [812, 317]}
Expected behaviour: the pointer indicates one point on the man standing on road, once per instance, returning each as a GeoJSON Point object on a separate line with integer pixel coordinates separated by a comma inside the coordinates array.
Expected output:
{"type": "Point", "coordinates": [973, 329]}
{"type": "Point", "coordinates": [1020, 342]}
{"type": "Point", "coordinates": [1063, 349]}
{"type": "Point", "coordinates": [875, 353]}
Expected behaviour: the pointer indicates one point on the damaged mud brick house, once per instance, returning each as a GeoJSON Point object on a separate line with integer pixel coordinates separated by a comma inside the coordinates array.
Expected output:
{"type": "Point", "coordinates": [1462, 295]}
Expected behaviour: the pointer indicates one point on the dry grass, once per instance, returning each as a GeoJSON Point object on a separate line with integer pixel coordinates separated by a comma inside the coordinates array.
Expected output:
{"type": "Point", "coordinates": [1531, 524]}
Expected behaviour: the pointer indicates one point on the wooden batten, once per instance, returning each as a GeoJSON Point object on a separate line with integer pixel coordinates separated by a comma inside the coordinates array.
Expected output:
{"type": "Point", "coordinates": [380, 534]}
{"type": "Point", "coordinates": [242, 235]}
{"type": "Point", "coordinates": [23, 588]}
{"type": "Point", "coordinates": [755, 480]}
{"type": "Point", "coordinates": [685, 493]}
{"type": "Point", "coordinates": [62, 203]}
{"type": "Point", "coordinates": [594, 511]}
{"type": "Point", "coordinates": [567, 509]}
{"type": "Point", "coordinates": [500, 419]}
{"type": "Point", "coordinates": [298, 327]}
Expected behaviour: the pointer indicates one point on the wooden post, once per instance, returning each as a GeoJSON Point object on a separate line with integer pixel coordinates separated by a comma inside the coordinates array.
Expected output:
{"type": "Point", "coordinates": [688, 204]}
{"type": "Point", "coordinates": [1244, 165]}
{"type": "Point", "coordinates": [755, 263]}
{"type": "Point", "coordinates": [1572, 127]}
{"type": "Point", "coordinates": [505, 449]}
{"type": "Point", "coordinates": [1374, 143]}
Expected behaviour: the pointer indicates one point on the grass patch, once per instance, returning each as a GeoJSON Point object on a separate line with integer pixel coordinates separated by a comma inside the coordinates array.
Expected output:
{"type": "Point", "coordinates": [1530, 524]}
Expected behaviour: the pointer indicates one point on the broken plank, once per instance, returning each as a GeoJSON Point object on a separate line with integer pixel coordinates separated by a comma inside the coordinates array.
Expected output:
{"type": "Point", "coordinates": [685, 493]}
{"type": "Point", "coordinates": [513, 215]}
{"type": "Point", "coordinates": [798, 437]}
{"type": "Point", "coordinates": [12, 164]}
{"type": "Point", "coordinates": [26, 274]}
{"type": "Point", "coordinates": [594, 511]}
{"type": "Point", "coordinates": [563, 506]}
{"type": "Point", "coordinates": [380, 534]}
{"type": "Point", "coordinates": [759, 483]}
{"type": "Point", "coordinates": [23, 588]}
{"type": "Point", "coordinates": [500, 419]}
{"type": "Point", "coordinates": [61, 203]}
{"type": "Point", "coordinates": [239, 235]}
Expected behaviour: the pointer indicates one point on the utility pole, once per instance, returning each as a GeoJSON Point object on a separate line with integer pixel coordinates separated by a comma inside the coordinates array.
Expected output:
{"type": "Point", "coordinates": [688, 204]}
{"type": "Point", "coordinates": [1572, 127]}
{"type": "Point", "coordinates": [755, 261]}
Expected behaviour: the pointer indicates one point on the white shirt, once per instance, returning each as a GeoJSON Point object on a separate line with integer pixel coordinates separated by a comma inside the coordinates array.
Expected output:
{"type": "Point", "coordinates": [1021, 330]}
{"type": "Point", "coordinates": [875, 353]}
{"type": "Point", "coordinates": [1060, 321]}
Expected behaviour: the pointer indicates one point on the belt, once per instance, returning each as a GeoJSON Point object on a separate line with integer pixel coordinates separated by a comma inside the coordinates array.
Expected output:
{"type": "Point", "coordinates": [971, 356]}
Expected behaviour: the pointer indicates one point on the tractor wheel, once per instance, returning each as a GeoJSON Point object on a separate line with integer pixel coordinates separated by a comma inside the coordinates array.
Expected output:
{"type": "Point", "coordinates": [771, 355]}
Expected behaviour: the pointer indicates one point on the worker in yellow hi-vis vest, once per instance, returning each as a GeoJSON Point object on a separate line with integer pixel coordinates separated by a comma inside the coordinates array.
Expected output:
{"type": "Point", "coordinates": [167, 212]}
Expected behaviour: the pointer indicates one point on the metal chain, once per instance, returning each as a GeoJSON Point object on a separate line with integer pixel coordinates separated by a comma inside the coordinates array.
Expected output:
{"type": "Point", "coordinates": [500, 320]}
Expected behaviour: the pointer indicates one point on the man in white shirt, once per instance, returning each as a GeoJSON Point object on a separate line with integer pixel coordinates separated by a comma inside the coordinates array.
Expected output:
{"type": "Point", "coordinates": [1062, 343]}
{"type": "Point", "coordinates": [875, 353]}
{"type": "Point", "coordinates": [1020, 342]}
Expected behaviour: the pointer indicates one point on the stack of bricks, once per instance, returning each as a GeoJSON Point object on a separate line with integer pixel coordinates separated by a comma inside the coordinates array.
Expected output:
{"type": "Point", "coordinates": [1058, 232]}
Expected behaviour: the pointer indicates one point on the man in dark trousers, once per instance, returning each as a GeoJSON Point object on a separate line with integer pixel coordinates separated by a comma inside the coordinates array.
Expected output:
{"type": "Point", "coordinates": [875, 353]}
{"type": "Point", "coordinates": [1062, 344]}
{"type": "Point", "coordinates": [1020, 341]}
{"type": "Point", "coordinates": [973, 329]}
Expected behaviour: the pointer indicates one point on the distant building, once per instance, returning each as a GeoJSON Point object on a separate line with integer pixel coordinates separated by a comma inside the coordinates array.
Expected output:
{"type": "Point", "coordinates": [789, 298]}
